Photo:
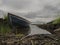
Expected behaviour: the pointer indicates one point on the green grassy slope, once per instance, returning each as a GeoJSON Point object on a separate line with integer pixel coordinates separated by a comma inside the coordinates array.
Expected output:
{"type": "Point", "coordinates": [56, 21]}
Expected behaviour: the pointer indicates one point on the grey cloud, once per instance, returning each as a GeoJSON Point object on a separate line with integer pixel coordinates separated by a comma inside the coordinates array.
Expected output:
{"type": "Point", "coordinates": [47, 12]}
{"type": "Point", "coordinates": [34, 8]}
{"type": "Point", "coordinates": [19, 4]}
{"type": "Point", "coordinates": [50, 10]}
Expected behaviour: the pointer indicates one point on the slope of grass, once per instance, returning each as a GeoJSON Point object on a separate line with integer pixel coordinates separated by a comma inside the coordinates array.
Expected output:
{"type": "Point", "coordinates": [56, 21]}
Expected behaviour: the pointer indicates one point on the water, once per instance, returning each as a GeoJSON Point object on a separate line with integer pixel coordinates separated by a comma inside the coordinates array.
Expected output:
{"type": "Point", "coordinates": [37, 30]}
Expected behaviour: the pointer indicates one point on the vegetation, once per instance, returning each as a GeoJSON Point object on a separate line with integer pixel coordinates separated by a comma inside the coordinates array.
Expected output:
{"type": "Point", "coordinates": [56, 21]}
{"type": "Point", "coordinates": [4, 26]}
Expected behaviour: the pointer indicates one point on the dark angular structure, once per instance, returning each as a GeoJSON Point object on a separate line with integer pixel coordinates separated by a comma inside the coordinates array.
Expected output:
{"type": "Point", "coordinates": [19, 23]}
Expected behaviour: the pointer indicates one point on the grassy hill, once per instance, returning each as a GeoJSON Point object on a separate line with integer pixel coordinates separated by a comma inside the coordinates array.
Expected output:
{"type": "Point", "coordinates": [56, 21]}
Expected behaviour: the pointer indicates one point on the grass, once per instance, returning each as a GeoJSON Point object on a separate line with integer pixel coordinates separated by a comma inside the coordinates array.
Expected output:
{"type": "Point", "coordinates": [56, 21]}
{"type": "Point", "coordinates": [4, 26]}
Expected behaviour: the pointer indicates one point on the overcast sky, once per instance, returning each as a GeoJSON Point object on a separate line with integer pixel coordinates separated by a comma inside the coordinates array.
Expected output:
{"type": "Point", "coordinates": [34, 10]}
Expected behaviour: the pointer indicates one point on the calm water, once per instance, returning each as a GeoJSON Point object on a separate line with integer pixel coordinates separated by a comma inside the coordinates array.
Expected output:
{"type": "Point", "coordinates": [37, 30]}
